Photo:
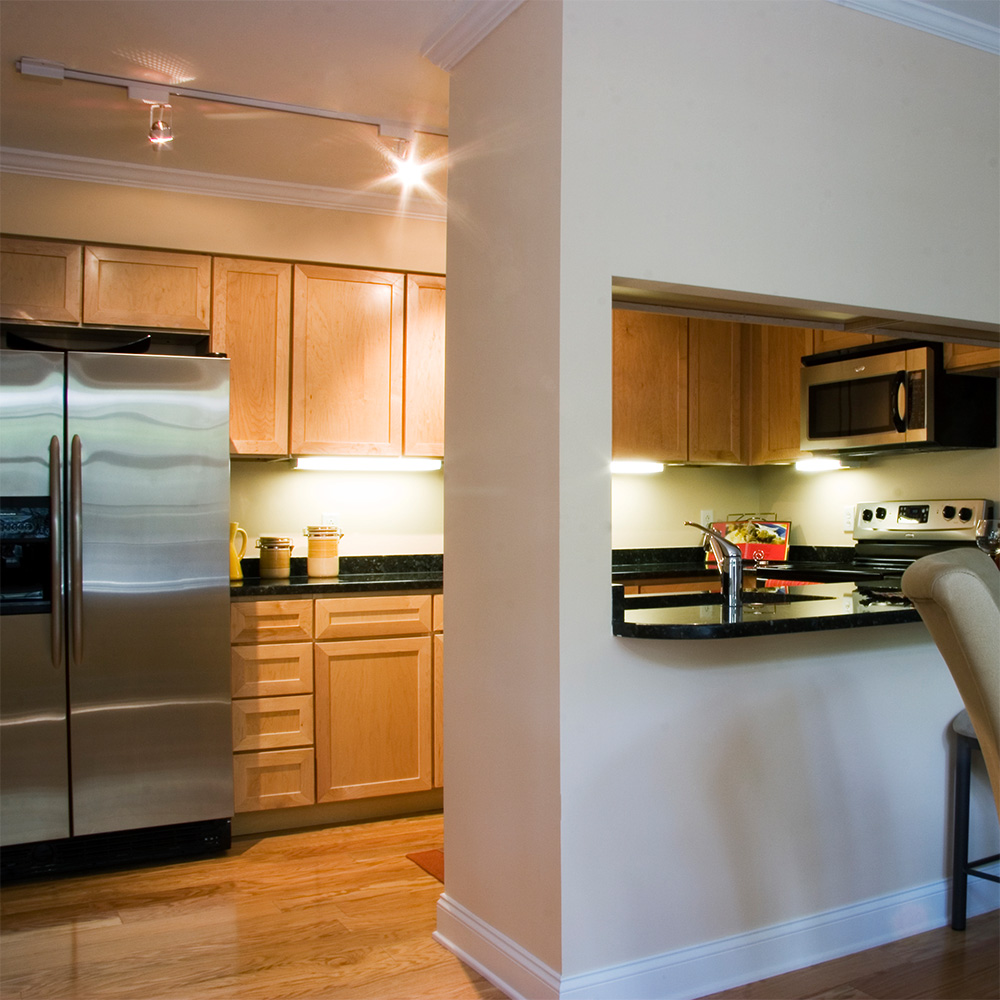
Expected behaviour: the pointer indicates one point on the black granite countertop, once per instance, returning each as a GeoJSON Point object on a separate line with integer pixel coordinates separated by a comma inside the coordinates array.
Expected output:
{"type": "Point", "coordinates": [358, 574]}
{"type": "Point", "coordinates": [765, 611]}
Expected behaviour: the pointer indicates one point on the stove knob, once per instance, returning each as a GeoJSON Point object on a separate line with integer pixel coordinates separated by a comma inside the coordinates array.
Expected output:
{"type": "Point", "coordinates": [866, 514]}
{"type": "Point", "coordinates": [880, 513]}
{"type": "Point", "coordinates": [965, 514]}
{"type": "Point", "coordinates": [948, 511]}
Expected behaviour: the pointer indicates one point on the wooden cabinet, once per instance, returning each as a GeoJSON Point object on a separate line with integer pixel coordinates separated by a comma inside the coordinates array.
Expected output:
{"type": "Point", "coordinates": [650, 386]}
{"type": "Point", "coordinates": [971, 358]}
{"type": "Point", "coordinates": [273, 709]}
{"type": "Point", "coordinates": [152, 288]}
{"type": "Point", "coordinates": [834, 340]}
{"type": "Point", "coordinates": [347, 362]}
{"type": "Point", "coordinates": [251, 323]}
{"type": "Point", "coordinates": [373, 717]}
{"type": "Point", "coordinates": [41, 281]}
{"type": "Point", "coordinates": [775, 364]}
{"type": "Point", "coordinates": [715, 392]}
{"type": "Point", "coordinates": [423, 369]}
{"type": "Point", "coordinates": [334, 699]}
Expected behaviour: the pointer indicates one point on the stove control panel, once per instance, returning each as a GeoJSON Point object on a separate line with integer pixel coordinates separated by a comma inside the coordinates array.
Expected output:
{"type": "Point", "coordinates": [925, 519]}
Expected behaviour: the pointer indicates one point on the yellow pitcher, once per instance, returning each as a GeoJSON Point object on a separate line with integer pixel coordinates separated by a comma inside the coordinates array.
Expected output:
{"type": "Point", "coordinates": [237, 546]}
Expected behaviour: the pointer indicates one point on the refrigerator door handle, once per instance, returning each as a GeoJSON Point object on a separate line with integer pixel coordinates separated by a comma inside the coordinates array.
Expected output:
{"type": "Point", "coordinates": [76, 550]}
{"type": "Point", "coordinates": [55, 559]}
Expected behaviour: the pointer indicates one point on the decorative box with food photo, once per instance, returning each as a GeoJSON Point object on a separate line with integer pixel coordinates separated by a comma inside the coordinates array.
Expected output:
{"type": "Point", "coordinates": [759, 540]}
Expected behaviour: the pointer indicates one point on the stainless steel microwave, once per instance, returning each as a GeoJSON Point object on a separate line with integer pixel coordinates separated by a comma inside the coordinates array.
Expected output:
{"type": "Point", "coordinates": [897, 398]}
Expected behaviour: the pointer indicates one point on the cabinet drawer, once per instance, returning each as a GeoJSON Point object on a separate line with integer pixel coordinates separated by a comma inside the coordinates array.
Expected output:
{"type": "Point", "coordinates": [267, 723]}
{"type": "Point", "coordinates": [272, 669]}
{"type": "Point", "coordinates": [373, 617]}
{"type": "Point", "coordinates": [274, 779]}
{"type": "Point", "coordinates": [270, 621]}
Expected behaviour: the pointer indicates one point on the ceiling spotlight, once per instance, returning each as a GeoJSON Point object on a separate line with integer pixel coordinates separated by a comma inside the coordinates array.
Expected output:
{"type": "Point", "coordinates": [160, 130]}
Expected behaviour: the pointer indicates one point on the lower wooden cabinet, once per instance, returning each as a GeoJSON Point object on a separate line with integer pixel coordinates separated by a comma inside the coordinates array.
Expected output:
{"type": "Point", "coordinates": [373, 717]}
{"type": "Point", "coordinates": [335, 699]}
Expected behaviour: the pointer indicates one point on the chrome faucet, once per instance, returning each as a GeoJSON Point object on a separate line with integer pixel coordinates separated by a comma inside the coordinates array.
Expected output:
{"type": "Point", "coordinates": [730, 562]}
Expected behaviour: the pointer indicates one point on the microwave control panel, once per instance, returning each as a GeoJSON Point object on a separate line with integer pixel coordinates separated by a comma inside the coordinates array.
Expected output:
{"type": "Point", "coordinates": [928, 519]}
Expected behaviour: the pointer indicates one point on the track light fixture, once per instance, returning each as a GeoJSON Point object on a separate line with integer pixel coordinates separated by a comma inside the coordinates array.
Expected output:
{"type": "Point", "coordinates": [160, 129]}
{"type": "Point", "coordinates": [399, 136]}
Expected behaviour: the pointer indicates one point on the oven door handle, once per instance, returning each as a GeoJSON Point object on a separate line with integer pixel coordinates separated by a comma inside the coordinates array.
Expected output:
{"type": "Point", "coordinates": [897, 401]}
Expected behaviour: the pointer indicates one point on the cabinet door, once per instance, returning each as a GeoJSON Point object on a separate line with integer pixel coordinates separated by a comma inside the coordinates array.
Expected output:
{"type": "Point", "coordinates": [834, 340]}
{"type": "Point", "coordinates": [423, 399]}
{"type": "Point", "coordinates": [40, 280]}
{"type": "Point", "coordinates": [650, 386]}
{"type": "Point", "coordinates": [251, 323]}
{"type": "Point", "coordinates": [347, 362]}
{"type": "Point", "coordinates": [715, 379]}
{"type": "Point", "coordinates": [374, 721]}
{"type": "Point", "coordinates": [146, 288]}
{"type": "Point", "coordinates": [971, 357]}
{"type": "Point", "coordinates": [438, 711]}
{"type": "Point", "coordinates": [776, 359]}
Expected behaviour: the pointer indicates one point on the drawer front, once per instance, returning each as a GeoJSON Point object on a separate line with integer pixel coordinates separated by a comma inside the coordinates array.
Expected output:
{"type": "Point", "coordinates": [278, 668]}
{"type": "Point", "coordinates": [373, 617]}
{"type": "Point", "coordinates": [269, 723]}
{"type": "Point", "coordinates": [274, 779]}
{"type": "Point", "coordinates": [270, 621]}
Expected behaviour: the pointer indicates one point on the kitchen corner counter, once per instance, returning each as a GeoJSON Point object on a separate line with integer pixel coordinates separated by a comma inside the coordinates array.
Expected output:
{"type": "Point", "coordinates": [358, 574]}
{"type": "Point", "coordinates": [774, 611]}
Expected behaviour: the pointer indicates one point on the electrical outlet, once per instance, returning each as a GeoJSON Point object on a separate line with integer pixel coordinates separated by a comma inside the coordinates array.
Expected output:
{"type": "Point", "coordinates": [848, 518]}
{"type": "Point", "coordinates": [329, 519]}
{"type": "Point", "coordinates": [707, 517]}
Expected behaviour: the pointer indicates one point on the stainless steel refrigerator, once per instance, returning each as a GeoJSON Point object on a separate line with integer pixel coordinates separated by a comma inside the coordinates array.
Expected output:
{"type": "Point", "coordinates": [114, 655]}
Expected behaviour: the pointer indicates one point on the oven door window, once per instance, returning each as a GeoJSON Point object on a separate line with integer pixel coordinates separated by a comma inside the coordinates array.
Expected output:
{"type": "Point", "coordinates": [25, 556]}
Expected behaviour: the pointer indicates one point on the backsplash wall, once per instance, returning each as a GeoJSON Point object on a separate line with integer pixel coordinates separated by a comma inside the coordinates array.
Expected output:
{"type": "Point", "coordinates": [380, 513]}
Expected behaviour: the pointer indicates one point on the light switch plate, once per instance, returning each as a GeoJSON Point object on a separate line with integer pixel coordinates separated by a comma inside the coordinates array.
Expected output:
{"type": "Point", "coordinates": [707, 517]}
{"type": "Point", "coordinates": [848, 518]}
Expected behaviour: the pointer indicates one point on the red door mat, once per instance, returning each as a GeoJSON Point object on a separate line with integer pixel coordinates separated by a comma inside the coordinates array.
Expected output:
{"type": "Point", "coordinates": [432, 862]}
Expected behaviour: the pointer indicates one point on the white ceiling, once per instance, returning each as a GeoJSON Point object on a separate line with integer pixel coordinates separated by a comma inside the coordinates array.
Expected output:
{"type": "Point", "coordinates": [363, 57]}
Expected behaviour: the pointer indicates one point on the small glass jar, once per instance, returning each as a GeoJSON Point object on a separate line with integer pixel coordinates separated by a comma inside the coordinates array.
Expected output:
{"type": "Point", "coordinates": [275, 556]}
{"type": "Point", "coordinates": [322, 558]}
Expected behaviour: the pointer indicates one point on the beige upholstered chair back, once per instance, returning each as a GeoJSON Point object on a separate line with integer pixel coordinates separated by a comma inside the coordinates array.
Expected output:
{"type": "Point", "coordinates": [958, 596]}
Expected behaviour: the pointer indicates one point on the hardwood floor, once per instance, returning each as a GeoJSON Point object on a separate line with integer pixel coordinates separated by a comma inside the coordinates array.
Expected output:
{"type": "Point", "coordinates": [337, 912]}
{"type": "Point", "coordinates": [341, 913]}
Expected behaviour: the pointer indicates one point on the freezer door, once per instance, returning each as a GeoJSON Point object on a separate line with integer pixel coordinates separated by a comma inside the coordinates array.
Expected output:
{"type": "Point", "coordinates": [34, 785]}
{"type": "Point", "coordinates": [148, 503]}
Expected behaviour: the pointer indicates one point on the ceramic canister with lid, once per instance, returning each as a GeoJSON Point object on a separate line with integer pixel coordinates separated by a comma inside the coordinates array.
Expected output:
{"type": "Point", "coordinates": [275, 556]}
{"type": "Point", "coordinates": [322, 558]}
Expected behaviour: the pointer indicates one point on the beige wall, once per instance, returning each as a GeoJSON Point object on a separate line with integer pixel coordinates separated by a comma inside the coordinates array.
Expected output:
{"type": "Point", "coordinates": [711, 794]}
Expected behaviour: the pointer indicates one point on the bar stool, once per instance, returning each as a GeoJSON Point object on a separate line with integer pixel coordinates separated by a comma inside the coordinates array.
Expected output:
{"type": "Point", "coordinates": [962, 867]}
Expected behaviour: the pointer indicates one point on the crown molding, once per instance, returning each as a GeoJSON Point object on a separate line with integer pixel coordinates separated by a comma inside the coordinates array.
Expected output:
{"type": "Point", "coordinates": [933, 19]}
{"type": "Point", "coordinates": [82, 168]}
{"type": "Point", "coordinates": [465, 29]}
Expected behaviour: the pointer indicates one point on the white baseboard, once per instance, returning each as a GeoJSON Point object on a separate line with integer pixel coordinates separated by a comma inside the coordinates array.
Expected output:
{"type": "Point", "coordinates": [718, 965]}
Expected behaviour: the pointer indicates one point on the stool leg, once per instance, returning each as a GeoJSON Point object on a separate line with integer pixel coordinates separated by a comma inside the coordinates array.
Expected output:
{"type": "Point", "coordinates": [960, 833]}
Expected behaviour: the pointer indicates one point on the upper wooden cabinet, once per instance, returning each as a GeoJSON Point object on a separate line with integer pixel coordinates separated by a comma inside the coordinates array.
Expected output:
{"type": "Point", "coordinates": [715, 392]}
{"type": "Point", "coordinates": [423, 370]}
{"type": "Point", "coordinates": [347, 362]}
{"type": "Point", "coordinates": [154, 288]}
{"type": "Point", "coordinates": [971, 358]}
{"type": "Point", "coordinates": [251, 323]}
{"type": "Point", "coordinates": [650, 386]}
{"type": "Point", "coordinates": [834, 340]}
{"type": "Point", "coordinates": [41, 281]}
{"type": "Point", "coordinates": [775, 362]}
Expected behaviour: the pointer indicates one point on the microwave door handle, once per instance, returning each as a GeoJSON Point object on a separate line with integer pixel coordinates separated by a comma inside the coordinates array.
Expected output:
{"type": "Point", "coordinates": [897, 393]}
